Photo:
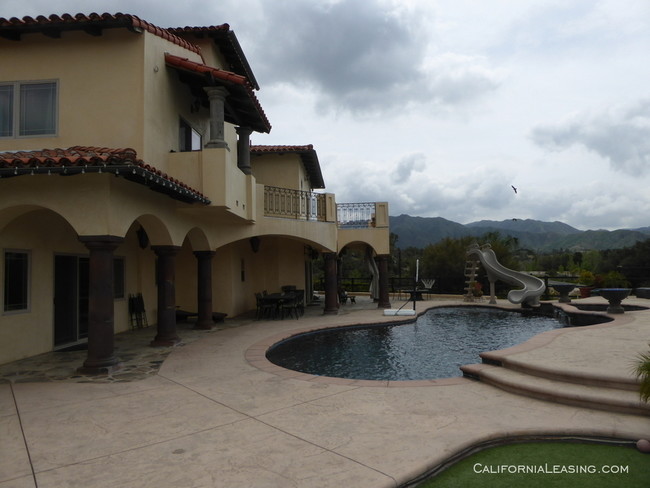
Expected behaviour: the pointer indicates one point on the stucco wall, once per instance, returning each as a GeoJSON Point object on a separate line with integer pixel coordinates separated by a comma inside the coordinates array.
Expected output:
{"type": "Point", "coordinates": [99, 100]}
{"type": "Point", "coordinates": [283, 171]}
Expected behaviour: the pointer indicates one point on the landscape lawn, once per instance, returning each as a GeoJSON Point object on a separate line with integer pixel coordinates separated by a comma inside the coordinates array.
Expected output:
{"type": "Point", "coordinates": [548, 464]}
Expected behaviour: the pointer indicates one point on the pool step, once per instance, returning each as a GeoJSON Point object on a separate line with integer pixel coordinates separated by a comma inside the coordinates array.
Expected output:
{"type": "Point", "coordinates": [590, 396]}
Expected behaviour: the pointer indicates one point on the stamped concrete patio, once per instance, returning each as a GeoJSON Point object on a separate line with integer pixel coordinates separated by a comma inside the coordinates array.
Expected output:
{"type": "Point", "coordinates": [216, 414]}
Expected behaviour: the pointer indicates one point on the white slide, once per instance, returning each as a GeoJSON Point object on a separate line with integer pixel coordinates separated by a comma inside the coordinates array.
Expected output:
{"type": "Point", "coordinates": [532, 289]}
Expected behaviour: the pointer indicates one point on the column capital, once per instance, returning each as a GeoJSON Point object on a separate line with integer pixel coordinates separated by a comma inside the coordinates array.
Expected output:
{"type": "Point", "coordinates": [103, 241]}
{"type": "Point", "coordinates": [204, 254]}
{"type": "Point", "coordinates": [243, 130]}
{"type": "Point", "coordinates": [216, 92]}
{"type": "Point", "coordinates": [166, 250]}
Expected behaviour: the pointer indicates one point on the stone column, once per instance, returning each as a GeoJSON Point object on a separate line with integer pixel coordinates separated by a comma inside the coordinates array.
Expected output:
{"type": "Point", "coordinates": [384, 295]}
{"type": "Point", "coordinates": [101, 330]}
{"type": "Point", "coordinates": [331, 292]}
{"type": "Point", "coordinates": [166, 277]}
{"type": "Point", "coordinates": [204, 289]}
{"type": "Point", "coordinates": [217, 96]}
{"type": "Point", "coordinates": [244, 149]}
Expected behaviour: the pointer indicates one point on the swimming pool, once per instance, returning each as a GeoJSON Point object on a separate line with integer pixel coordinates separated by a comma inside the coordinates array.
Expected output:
{"type": "Point", "coordinates": [434, 346]}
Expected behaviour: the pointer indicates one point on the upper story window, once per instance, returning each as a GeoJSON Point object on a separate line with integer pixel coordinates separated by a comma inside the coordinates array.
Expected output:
{"type": "Point", "coordinates": [189, 138]}
{"type": "Point", "coordinates": [28, 109]}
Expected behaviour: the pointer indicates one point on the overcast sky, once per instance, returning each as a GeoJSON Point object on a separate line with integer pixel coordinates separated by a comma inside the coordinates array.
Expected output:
{"type": "Point", "coordinates": [439, 106]}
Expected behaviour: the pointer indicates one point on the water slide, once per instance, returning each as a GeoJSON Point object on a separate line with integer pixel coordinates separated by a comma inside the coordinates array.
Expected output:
{"type": "Point", "coordinates": [532, 287]}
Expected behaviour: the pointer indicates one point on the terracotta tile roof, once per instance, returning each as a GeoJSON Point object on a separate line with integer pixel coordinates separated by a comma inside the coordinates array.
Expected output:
{"type": "Point", "coordinates": [281, 149]}
{"type": "Point", "coordinates": [199, 30]}
{"type": "Point", "coordinates": [237, 84]}
{"type": "Point", "coordinates": [228, 44]}
{"type": "Point", "coordinates": [307, 155]}
{"type": "Point", "coordinates": [122, 162]}
{"type": "Point", "coordinates": [93, 24]}
{"type": "Point", "coordinates": [186, 64]}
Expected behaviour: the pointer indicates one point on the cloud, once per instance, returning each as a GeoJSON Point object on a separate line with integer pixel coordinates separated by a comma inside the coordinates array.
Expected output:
{"type": "Point", "coordinates": [364, 57]}
{"type": "Point", "coordinates": [407, 166]}
{"type": "Point", "coordinates": [620, 135]}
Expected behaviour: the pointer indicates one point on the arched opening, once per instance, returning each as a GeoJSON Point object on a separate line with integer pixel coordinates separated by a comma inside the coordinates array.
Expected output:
{"type": "Point", "coordinates": [261, 263]}
{"type": "Point", "coordinates": [357, 271]}
{"type": "Point", "coordinates": [44, 283]}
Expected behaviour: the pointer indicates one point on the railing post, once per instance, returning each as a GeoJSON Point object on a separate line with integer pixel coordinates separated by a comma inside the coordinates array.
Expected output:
{"type": "Point", "coordinates": [294, 204]}
{"type": "Point", "coordinates": [356, 215]}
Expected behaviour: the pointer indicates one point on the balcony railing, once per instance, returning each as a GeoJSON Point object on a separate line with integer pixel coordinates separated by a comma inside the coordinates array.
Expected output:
{"type": "Point", "coordinates": [356, 215]}
{"type": "Point", "coordinates": [293, 204]}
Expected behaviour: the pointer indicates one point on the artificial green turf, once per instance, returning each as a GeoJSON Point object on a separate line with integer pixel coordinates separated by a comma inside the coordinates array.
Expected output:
{"type": "Point", "coordinates": [552, 463]}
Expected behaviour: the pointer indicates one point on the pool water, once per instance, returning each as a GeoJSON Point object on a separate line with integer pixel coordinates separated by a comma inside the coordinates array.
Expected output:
{"type": "Point", "coordinates": [432, 347]}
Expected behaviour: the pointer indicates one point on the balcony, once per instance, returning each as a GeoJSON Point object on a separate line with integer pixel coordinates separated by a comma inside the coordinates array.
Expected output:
{"type": "Point", "coordinates": [294, 204]}
{"type": "Point", "coordinates": [356, 215]}
{"type": "Point", "coordinates": [365, 223]}
{"type": "Point", "coordinates": [356, 222]}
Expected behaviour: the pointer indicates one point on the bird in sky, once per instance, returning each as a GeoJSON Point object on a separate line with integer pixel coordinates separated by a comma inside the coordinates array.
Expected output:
{"type": "Point", "coordinates": [514, 188]}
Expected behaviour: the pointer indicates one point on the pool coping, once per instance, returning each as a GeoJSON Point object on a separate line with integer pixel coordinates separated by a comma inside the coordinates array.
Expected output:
{"type": "Point", "coordinates": [255, 355]}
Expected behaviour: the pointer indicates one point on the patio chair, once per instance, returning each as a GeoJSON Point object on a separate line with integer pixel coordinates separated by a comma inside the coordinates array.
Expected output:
{"type": "Point", "coordinates": [265, 308]}
{"type": "Point", "coordinates": [343, 297]}
{"type": "Point", "coordinates": [289, 305]}
{"type": "Point", "coordinates": [137, 313]}
{"type": "Point", "coordinates": [300, 302]}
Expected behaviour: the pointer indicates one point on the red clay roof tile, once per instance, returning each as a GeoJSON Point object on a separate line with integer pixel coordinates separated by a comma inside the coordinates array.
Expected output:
{"type": "Point", "coordinates": [228, 44]}
{"type": "Point", "coordinates": [281, 149]}
{"type": "Point", "coordinates": [84, 157]}
{"type": "Point", "coordinates": [184, 63]}
{"type": "Point", "coordinates": [16, 27]}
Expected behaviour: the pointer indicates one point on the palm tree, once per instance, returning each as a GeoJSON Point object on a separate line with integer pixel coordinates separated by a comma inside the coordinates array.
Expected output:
{"type": "Point", "coordinates": [642, 371]}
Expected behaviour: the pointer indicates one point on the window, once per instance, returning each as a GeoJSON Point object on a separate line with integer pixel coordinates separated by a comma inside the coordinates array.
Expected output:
{"type": "Point", "coordinates": [16, 283]}
{"type": "Point", "coordinates": [189, 138]}
{"type": "Point", "coordinates": [6, 110]}
{"type": "Point", "coordinates": [28, 109]}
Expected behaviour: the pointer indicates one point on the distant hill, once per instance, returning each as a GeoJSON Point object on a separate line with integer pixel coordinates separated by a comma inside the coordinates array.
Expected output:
{"type": "Point", "coordinates": [532, 234]}
{"type": "Point", "coordinates": [422, 231]}
{"type": "Point", "coordinates": [527, 225]}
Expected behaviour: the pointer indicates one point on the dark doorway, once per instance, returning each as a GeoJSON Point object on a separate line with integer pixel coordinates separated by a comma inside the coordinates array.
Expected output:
{"type": "Point", "coordinates": [70, 299]}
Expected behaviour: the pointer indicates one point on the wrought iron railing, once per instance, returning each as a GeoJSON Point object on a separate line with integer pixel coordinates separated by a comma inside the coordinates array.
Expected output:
{"type": "Point", "coordinates": [293, 204]}
{"type": "Point", "coordinates": [355, 215]}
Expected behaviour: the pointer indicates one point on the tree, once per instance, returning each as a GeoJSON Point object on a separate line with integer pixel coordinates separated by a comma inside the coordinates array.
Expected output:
{"type": "Point", "coordinates": [642, 371]}
{"type": "Point", "coordinates": [445, 262]}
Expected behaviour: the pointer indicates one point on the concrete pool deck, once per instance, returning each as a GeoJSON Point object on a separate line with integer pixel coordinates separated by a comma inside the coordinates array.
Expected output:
{"type": "Point", "coordinates": [217, 415]}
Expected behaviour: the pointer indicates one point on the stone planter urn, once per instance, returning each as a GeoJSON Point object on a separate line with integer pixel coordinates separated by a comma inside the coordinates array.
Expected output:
{"type": "Point", "coordinates": [563, 289]}
{"type": "Point", "coordinates": [585, 291]}
{"type": "Point", "coordinates": [615, 296]}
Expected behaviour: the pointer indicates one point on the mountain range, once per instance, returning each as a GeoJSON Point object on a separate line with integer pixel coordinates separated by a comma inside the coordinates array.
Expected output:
{"type": "Point", "coordinates": [532, 234]}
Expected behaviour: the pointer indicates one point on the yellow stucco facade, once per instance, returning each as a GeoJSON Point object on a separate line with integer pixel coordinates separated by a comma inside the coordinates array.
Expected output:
{"type": "Point", "coordinates": [116, 90]}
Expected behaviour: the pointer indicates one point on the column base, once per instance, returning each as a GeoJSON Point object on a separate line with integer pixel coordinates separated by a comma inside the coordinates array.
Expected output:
{"type": "Point", "coordinates": [165, 342]}
{"type": "Point", "coordinates": [204, 325]}
{"type": "Point", "coordinates": [383, 305]}
{"type": "Point", "coordinates": [101, 367]}
{"type": "Point", "coordinates": [331, 312]}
